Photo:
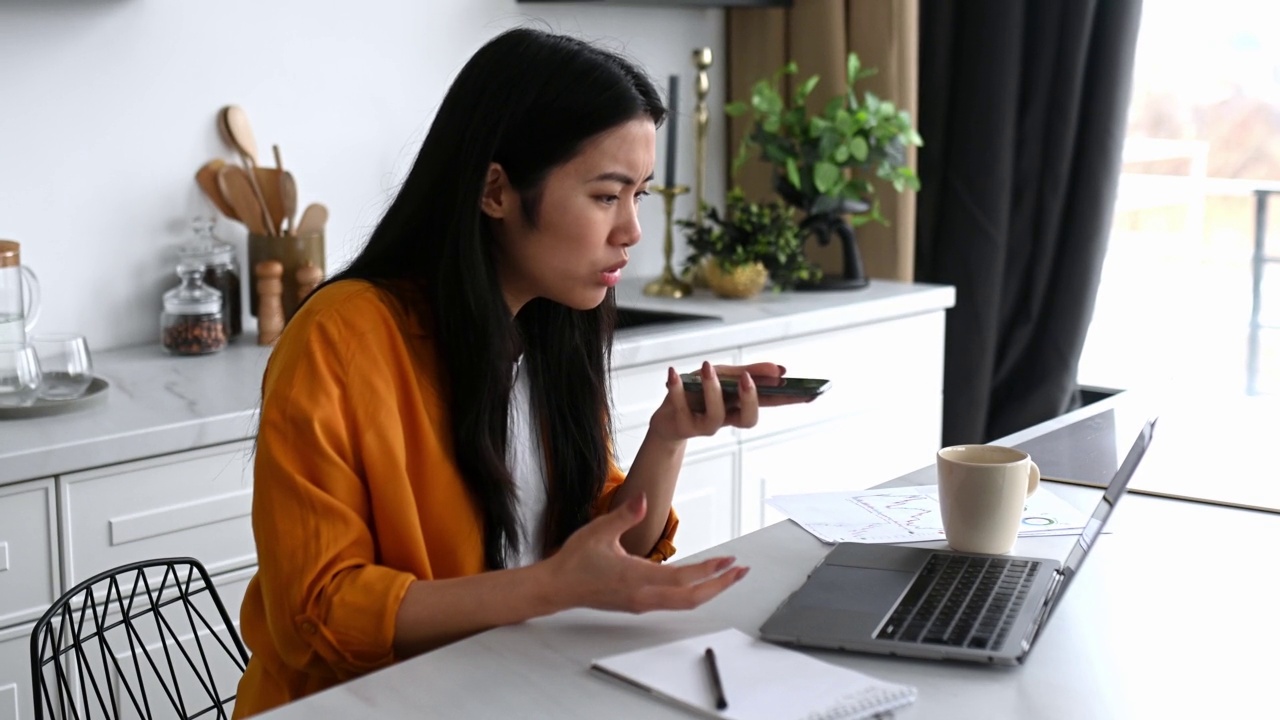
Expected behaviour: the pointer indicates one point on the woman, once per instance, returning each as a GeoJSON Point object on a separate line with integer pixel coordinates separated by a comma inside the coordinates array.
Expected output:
{"type": "Point", "coordinates": [433, 453]}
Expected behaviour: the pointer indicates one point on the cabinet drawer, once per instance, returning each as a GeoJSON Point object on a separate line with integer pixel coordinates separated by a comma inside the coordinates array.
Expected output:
{"type": "Point", "coordinates": [191, 504]}
{"type": "Point", "coordinates": [28, 554]}
{"type": "Point", "coordinates": [15, 674]}
{"type": "Point", "coordinates": [638, 391]}
{"type": "Point", "coordinates": [871, 368]}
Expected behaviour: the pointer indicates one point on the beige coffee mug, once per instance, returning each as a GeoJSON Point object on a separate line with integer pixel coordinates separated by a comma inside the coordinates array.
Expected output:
{"type": "Point", "coordinates": [982, 490]}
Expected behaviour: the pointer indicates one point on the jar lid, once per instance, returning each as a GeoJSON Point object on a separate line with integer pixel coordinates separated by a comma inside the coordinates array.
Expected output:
{"type": "Point", "coordinates": [203, 247]}
{"type": "Point", "coordinates": [192, 297]}
{"type": "Point", "coordinates": [8, 253]}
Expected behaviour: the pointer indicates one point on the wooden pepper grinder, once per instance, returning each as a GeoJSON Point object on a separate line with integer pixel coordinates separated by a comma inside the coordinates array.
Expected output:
{"type": "Point", "coordinates": [309, 276]}
{"type": "Point", "coordinates": [270, 286]}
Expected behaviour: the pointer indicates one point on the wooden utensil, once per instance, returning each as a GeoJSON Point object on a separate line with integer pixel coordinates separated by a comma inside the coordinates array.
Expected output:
{"type": "Point", "coordinates": [313, 219]}
{"type": "Point", "coordinates": [207, 179]}
{"type": "Point", "coordinates": [269, 183]}
{"type": "Point", "coordinates": [233, 122]}
{"type": "Point", "coordinates": [288, 200]}
{"type": "Point", "coordinates": [234, 183]}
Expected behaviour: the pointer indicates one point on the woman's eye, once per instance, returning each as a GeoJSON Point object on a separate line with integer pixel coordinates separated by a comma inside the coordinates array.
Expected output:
{"type": "Point", "coordinates": [608, 199]}
{"type": "Point", "coordinates": [641, 195]}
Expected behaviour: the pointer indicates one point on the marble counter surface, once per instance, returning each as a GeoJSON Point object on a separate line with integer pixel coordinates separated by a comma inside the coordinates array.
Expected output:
{"type": "Point", "coordinates": [159, 404]}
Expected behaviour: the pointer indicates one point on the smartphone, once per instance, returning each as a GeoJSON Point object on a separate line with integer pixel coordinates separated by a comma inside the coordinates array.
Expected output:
{"type": "Point", "coordinates": [767, 385]}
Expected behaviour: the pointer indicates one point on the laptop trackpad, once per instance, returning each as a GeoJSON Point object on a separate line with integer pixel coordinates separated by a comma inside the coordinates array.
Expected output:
{"type": "Point", "coordinates": [853, 589]}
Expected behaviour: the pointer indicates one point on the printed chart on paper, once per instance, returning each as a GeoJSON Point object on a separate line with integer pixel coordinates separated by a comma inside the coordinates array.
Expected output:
{"type": "Point", "coordinates": [908, 514]}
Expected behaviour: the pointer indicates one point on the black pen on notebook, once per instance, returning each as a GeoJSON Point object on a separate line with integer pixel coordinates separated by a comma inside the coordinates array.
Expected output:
{"type": "Point", "coordinates": [716, 684]}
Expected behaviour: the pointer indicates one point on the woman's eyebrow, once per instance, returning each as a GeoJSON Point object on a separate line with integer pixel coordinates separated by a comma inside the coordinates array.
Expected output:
{"type": "Point", "coordinates": [619, 177]}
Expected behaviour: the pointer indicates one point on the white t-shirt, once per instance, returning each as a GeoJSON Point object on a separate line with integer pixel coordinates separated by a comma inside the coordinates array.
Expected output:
{"type": "Point", "coordinates": [527, 463]}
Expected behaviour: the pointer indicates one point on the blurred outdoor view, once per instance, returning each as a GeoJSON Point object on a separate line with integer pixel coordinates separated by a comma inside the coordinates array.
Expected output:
{"type": "Point", "coordinates": [1173, 312]}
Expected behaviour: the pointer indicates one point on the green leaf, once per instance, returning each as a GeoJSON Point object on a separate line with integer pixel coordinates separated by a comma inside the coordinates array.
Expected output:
{"type": "Point", "coordinates": [793, 173]}
{"type": "Point", "coordinates": [803, 92]}
{"type": "Point", "coordinates": [825, 177]}
{"type": "Point", "coordinates": [790, 68]}
{"type": "Point", "coordinates": [817, 126]}
{"type": "Point", "coordinates": [858, 148]}
{"type": "Point", "coordinates": [914, 138]}
{"type": "Point", "coordinates": [844, 122]}
{"type": "Point", "coordinates": [851, 69]}
{"type": "Point", "coordinates": [771, 124]}
{"type": "Point", "coordinates": [734, 109]}
{"type": "Point", "coordinates": [841, 154]}
{"type": "Point", "coordinates": [872, 102]}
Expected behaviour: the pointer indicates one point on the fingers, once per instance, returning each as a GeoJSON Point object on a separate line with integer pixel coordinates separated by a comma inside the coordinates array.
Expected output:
{"type": "Point", "coordinates": [687, 597]}
{"type": "Point", "coordinates": [748, 412]}
{"type": "Point", "coordinates": [760, 369]}
{"type": "Point", "coordinates": [712, 417]}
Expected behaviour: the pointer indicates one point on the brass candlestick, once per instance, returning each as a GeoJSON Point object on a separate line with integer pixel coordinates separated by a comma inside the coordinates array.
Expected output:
{"type": "Point", "coordinates": [668, 285]}
{"type": "Point", "coordinates": [701, 117]}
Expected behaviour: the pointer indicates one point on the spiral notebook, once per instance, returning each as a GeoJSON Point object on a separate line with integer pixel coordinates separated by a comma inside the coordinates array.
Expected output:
{"type": "Point", "coordinates": [761, 681]}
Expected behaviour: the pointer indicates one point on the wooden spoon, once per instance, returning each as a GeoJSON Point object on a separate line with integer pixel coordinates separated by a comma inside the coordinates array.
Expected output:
{"type": "Point", "coordinates": [313, 219]}
{"type": "Point", "coordinates": [207, 179]}
{"type": "Point", "coordinates": [233, 122]}
{"type": "Point", "coordinates": [288, 200]}
{"type": "Point", "coordinates": [234, 183]}
{"type": "Point", "coordinates": [269, 183]}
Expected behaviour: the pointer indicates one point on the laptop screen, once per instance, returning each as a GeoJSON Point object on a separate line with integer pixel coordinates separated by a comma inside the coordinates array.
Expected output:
{"type": "Point", "coordinates": [1110, 497]}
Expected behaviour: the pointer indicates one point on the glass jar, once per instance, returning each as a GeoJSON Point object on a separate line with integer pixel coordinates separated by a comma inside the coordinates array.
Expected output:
{"type": "Point", "coordinates": [221, 271]}
{"type": "Point", "coordinates": [192, 321]}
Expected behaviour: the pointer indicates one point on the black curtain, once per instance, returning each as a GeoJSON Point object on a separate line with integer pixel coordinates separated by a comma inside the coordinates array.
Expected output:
{"type": "Point", "coordinates": [1022, 110]}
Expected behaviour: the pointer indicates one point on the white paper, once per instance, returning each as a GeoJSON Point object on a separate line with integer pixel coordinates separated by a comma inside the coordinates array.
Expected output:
{"type": "Point", "coordinates": [909, 514]}
{"type": "Point", "coordinates": [761, 681]}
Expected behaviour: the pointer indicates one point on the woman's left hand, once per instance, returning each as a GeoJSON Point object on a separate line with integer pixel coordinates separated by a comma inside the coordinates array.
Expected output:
{"type": "Point", "coordinates": [685, 415]}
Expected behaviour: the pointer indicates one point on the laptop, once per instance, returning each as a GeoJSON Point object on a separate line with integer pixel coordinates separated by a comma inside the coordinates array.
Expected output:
{"type": "Point", "coordinates": [938, 604]}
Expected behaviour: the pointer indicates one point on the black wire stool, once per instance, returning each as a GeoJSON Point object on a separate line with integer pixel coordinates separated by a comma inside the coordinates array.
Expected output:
{"type": "Point", "coordinates": [141, 640]}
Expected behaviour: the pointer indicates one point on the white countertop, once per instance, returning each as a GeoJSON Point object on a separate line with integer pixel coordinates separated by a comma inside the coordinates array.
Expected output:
{"type": "Point", "coordinates": [160, 404]}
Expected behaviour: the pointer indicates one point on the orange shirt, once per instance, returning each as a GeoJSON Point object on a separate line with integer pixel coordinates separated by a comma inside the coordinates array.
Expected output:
{"type": "Point", "coordinates": [356, 495]}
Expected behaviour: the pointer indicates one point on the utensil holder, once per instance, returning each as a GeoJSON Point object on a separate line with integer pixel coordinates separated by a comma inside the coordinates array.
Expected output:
{"type": "Point", "coordinates": [293, 252]}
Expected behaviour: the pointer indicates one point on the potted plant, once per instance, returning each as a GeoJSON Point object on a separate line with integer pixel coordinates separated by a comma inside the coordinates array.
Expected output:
{"type": "Point", "coordinates": [749, 245]}
{"type": "Point", "coordinates": [824, 162]}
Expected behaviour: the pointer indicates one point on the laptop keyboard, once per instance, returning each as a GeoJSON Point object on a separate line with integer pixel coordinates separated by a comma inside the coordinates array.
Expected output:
{"type": "Point", "coordinates": [962, 601]}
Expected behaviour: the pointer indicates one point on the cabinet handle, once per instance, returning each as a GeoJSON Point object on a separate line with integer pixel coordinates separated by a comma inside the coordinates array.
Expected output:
{"type": "Point", "coordinates": [4, 556]}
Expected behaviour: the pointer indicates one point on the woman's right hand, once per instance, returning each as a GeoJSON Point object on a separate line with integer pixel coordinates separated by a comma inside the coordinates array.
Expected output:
{"type": "Point", "coordinates": [593, 570]}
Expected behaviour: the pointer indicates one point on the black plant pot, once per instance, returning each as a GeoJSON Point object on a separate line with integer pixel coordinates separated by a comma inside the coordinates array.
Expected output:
{"type": "Point", "coordinates": [825, 221]}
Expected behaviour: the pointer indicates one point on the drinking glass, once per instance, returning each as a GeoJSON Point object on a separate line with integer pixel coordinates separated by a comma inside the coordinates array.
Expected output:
{"type": "Point", "coordinates": [19, 374]}
{"type": "Point", "coordinates": [65, 365]}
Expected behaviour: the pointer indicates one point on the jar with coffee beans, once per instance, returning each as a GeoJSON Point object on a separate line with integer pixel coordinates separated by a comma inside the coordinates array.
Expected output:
{"type": "Point", "coordinates": [192, 321]}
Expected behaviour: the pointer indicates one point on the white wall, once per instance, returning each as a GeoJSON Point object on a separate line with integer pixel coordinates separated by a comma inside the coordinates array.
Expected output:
{"type": "Point", "coordinates": [107, 109]}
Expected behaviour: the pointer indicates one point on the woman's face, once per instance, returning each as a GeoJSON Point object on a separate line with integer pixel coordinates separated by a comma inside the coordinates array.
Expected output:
{"type": "Point", "coordinates": [586, 221]}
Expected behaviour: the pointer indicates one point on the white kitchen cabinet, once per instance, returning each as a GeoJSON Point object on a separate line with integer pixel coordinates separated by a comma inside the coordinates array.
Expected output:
{"type": "Point", "coordinates": [28, 551]}
{"type": "Point", "coordinates": [849, 453]}
{"type": "Point", "coordinates": [195, 504]}
{"type": "Point", "coordinates": [705, 500]}
{"type": "Point", "coordinates": [15, 674]}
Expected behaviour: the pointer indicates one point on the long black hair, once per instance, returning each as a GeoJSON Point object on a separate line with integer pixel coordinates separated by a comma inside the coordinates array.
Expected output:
{"type": "Point", "coordinates": [528, 100]}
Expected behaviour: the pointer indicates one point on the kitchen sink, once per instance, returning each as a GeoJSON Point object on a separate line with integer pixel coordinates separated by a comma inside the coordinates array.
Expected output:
{"type": "Point", "coordinates": [636, 318]}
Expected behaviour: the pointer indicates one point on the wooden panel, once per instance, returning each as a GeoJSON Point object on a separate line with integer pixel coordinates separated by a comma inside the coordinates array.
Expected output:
{"type": "Point", "coordinates": [28, 551]}
{"type": "Point", "coordinates": [189, 504]}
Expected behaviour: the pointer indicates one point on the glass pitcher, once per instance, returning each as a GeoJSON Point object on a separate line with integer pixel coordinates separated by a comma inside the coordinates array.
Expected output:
{"type": "Point", "coordinates": [19, 295]}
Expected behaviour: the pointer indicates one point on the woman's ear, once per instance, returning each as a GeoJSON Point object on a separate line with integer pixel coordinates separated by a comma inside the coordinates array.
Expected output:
{"type": "Point", "coordinates": [496, 200]}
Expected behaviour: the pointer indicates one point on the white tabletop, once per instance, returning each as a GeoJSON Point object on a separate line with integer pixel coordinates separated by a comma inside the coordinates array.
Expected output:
{"type": "Point", "coordinates": [1172, 615]}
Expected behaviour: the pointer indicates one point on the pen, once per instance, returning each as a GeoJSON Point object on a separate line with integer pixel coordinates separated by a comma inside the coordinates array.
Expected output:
{"type": "Point", "coordinates": [721, 702]}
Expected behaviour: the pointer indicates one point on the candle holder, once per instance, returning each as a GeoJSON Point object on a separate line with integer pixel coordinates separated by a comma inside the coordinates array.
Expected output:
{"type": "Point", "coordinates": [668, 285]}
{"type": "Point", "coordinates": [701, 117]}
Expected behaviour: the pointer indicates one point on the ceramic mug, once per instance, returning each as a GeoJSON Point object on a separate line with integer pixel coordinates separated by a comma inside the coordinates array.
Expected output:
{"type": "Point", "coordinates": [982, 490]}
